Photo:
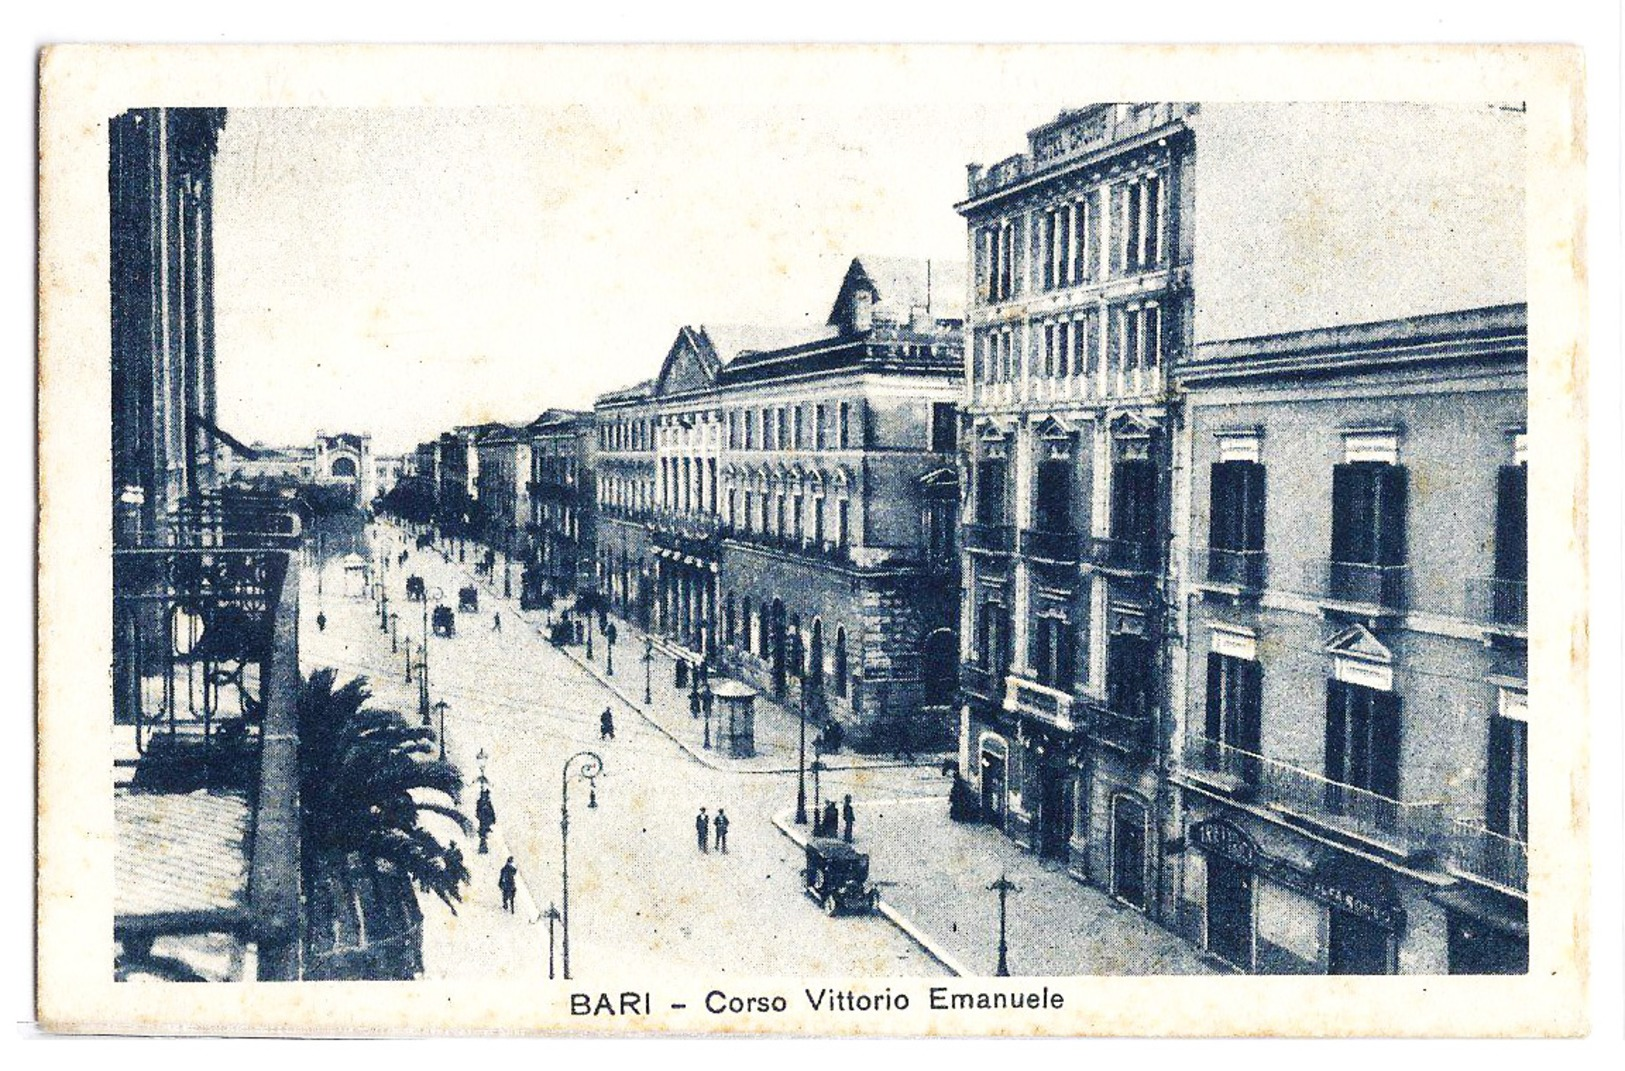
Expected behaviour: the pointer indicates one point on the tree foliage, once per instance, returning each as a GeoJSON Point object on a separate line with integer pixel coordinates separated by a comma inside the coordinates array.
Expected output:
{"type": "Point", "coordinates": [365, 778]}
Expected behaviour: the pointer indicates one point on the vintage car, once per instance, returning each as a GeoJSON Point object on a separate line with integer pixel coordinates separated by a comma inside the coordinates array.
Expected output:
{"type": "Point", "coordinates": [444, 621]}
{"type": "Point", "coordinates": [837, 877]}
{"type": "Point", "coordinates": [414, 588]}
{"type": "Point", "coordinates": [468, 599]}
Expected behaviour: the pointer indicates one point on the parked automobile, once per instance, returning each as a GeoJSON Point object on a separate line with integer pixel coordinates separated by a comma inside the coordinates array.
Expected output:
{"type": "Point", "coordinates": [837, 877]}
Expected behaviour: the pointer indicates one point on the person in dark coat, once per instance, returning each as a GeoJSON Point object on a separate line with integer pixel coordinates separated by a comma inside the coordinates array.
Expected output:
{"type": "Point", "coordinates": [485, 813]}
{"type": "Point", "coordinates": [321, 622]}
{"type": "Point", "coordinates": [702, 830]}
{"type": "Point", "coordinates": [832, 819]}
{"type": "Point", "coordinates": [606, 725]}
{"type": "Point", "coordinates": [496, 622]}
{"type": "Point", "coordinates": [720, 823]}
{"type": "Point", "coordinates": [508, 882]}
{"type": "Point", "coordinates": [454, 861]}
{"type": "Point", "coordinates": [847, 817]}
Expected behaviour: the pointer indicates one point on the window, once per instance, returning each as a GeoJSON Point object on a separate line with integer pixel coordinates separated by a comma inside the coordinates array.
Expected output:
{"type": "Point", "coordinates": [990, 492]}
{"type": "Point", "coordinates": [768, 442]}
{"type": "Point", "coordinates": [711, 485]}
{"type": "Point", "coordinates": [781, 437]}
{"type": "Point", "coordinates": [1362, 742]}
{"type": "Point", "coordinates": [1506, 804]}
{"type": "Point", "coordinates": [733, 515]}
{"type": "Point", "coordinates": [944, 421]}
{"type": "Point", "coordinates": [728, 619]}
{"type": "Point", "coordinates": [1086, 343]}
{"type": "Point", "coordinates": [993, 639]}
{"type": "Point", "coordinates": [1054, 651]}
{"type": "Point", "coordinates": [939, 529]}
{"type": "Point", "coordinates": [796, 440]}
{"type": "Point", "coordinates": [1139, 211]}
{"type": "Point", "coordinates": [840, 662]}
{"type": "Point", "coordinates": [778, 514]}
{"type": "Point", "coordinates": [1236, 524]}
{"type": "Point", "coordinates": [1234, 701]}
{"type": "Point", "coordinates": [1134, 502]}
{"type": "Point", "coordinates": [842, 523]}
{"type": "Point", "coordinates": [1368, 532]}
{"type": "Point", "coordinates": [1130, 669]}
{"type": "Point", "coordinates": [1512, 523]}
{"type": "Point", "coordinates": [1000, 259]}
{"type": "Point", "coordinates": [846, 426]}
{"type": "Point", "coordinates": [796, 517]}
{"type": "Point", "coordinates": [1052, 501]}
{"type": "Point", "coordinates": [818, 519]}
{"type": "Point", "coordinates": [750, 505]}
{"type": "Point", "coordinates": [750, 429]}
{"type": "Point", "coordinates": [820, 427]}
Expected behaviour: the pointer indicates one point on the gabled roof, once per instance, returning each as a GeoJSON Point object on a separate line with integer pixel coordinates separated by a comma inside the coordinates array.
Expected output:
{"type": "Point", "coordinates": [729, 342]}
{"type": "Point", "coordinates": [903, 289]}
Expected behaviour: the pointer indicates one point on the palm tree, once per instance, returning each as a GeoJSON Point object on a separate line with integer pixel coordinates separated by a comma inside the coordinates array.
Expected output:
{"type": "Point", "coordinates": [365, 778]}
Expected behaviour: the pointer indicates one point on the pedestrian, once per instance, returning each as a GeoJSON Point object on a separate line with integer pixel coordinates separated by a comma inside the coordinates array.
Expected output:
{"type": "Point", "coordinates": [508, 882]}
{"type": "Point", "coordinates": [702, 830]}
{"type": "Point", "coordinates": [693, 704]}
{"type": "Point", "coordinates": [847, 816]}
{"type": "Point", "coordinates": [496, 622]}
{"type": "Point", "coordinates": [455, 865]}
{"type": "Point", "coordinates": [606, 725]}
{"type": "Point", "coordinates": [485, 813]}
{"type": "Point", "coordinates": [832, 819]}
{"type": "Point", "coordinates": [321, 622]}
{"type": "Point", "coordinates": [720, 822]}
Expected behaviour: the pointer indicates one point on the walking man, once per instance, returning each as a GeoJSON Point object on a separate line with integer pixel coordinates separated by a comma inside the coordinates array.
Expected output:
{"type": "Point", "coordinates": [832, 819]}
{"type": "Point", "coordinates": [454, 864]}
{"type": "Point", "coordinates": [606, 725]}
{"type": "Point", "coordinates": [508, 882]}
{"type": "Point", "coordinates": [321, 622]}
{"type": "Point", "coordinates": [496, 622]}
{"type": "Point", "coordinates": [847, 816]}
{"type": "Point", "coordinates": [485, 813]}
{"type": "Point", "coordinates": [702, 830]}
{"type": "Point", "coordinates": [721, 824]}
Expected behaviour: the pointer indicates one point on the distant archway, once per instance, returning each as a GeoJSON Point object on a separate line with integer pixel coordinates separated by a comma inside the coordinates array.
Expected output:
{"type": "Point", "coordinates": [344, 468]}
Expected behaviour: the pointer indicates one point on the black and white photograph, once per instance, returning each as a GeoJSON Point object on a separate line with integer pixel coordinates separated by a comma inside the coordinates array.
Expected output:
{"type": "Point", "coordinates": [1051, 536]}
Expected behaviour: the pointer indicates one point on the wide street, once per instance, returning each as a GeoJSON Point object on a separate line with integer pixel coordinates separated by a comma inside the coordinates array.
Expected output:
{"type": "Point", "coordinates": [645, 903]}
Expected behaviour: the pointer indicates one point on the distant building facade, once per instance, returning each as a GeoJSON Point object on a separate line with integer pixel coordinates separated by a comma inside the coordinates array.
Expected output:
{"type": "Point", "coordinates": [502, 487]}
{"type": "Point", "coordinates": [563, 517]}
{"type": "Point", "coordinates": [767, 500]}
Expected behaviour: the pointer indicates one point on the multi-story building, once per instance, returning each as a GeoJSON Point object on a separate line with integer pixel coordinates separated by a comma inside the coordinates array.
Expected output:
{"type": "Point", "coordinates": [502, 487]}
{"type": "Point", "coordinates": [562, 513]}
{"type": "Point", "coordinates": [781, 501]}
{"type": "Point", "coordinates": [205, 674]}
{"type": "Point", "coordinates": [1126, 237]}
{"type": "Point", "coordinates": [1081, 268]}
{"type": "Point", "coordinates": [1354, 758]}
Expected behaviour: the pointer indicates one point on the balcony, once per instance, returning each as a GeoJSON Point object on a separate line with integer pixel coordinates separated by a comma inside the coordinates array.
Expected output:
{"type": "Point", "coordinates": [1128, 733]}
{"type": "Point", "coordinates": [980, 681]}
{"type": "Point", "coordinates": [992, 538]}
{"type": "Point", "coordinates": [1058, 547]}
{"type": "Point", "coordinates": [1499, 606]}
{"type": "Point", "coordinates": [1492, 858]}
{"type": "Point", "coordinates": [1238, 570]}
{"type": "Point", "coordinates": [1358, 586]}
{"type": "Point", "coordinates": [1123, 555]}
{"type": "Point", "coordinates": [800, 546]}
{"type": "Point", "coordinates": [1400, 829]}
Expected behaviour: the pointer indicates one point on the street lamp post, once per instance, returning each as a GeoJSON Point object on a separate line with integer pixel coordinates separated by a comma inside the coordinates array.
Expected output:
{"type": "Point", "coordinates": [609, 650]}
{"type": "Point", "coordinates": [705, 705]}
{"type": "Point", "coordinates": [648, 665]}
{"type": "Point", "coordinates": [423, 666]}
{"type": "Point", "coordinates": [1004, 886]}
{"type": "Point", "coordinates": [383, 611]}
{"type": "Point", "coordinates": [588, 631]}
{"type": "Point", "coordinates": [588, 771]}
{"type": "Point", "coordinates": [817, 768]}
{"type": "Point", "coordinates": [552, 916]}
{"type": "Point", "coordinates": [801, 767]}
{"type": "Point", "coordinates": [394, 638]}
{"type": "Point", "coordinates": [440, 709]}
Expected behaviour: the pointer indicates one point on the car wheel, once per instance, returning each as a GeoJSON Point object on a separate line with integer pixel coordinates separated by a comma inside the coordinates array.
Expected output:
{"type": "Point", "coordinates": [832, 906]}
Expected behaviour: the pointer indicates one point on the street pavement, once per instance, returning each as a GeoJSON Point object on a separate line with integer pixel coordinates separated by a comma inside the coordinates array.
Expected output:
{"type": "Point", "coordinates": [644, 901]}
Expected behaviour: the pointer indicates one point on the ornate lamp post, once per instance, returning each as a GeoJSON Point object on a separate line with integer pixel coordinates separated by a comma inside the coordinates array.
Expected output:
{"type": "Point", "coordinates": [648, 665]}
{"type": "Point", "coordinates": [705, 698]}
{"type": "Point", "coordinates": [383, 609]}
{"type": "Point", "coordinates": [1004, 886]}
{"type": "Point", "coordinates": [394, 638]}
{"type": "Point", "coordinates": [588, 770]}
{"type": "Point", "coordinates": [552, 916]}
{"type": "Point", "coordinates": [440, 709]}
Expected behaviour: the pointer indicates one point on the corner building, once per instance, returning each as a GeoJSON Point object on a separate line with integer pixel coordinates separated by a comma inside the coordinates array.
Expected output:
{"type": "Point", "coordinates": [1081, 261]}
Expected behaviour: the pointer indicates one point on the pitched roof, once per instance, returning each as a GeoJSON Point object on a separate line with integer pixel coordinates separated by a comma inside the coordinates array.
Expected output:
{"type": "Point", "coordinates": [903, 285]}
{"type": "Point", "coordinates": [731, 341]}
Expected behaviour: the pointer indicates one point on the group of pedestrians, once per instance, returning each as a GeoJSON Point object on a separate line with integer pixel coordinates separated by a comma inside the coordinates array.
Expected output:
{"type": "Point", "coordinates": [705, 826]}
{"type": "Point", "coordinates": [835, 822]}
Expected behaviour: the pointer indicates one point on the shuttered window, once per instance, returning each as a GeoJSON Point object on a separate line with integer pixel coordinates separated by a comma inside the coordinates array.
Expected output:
{"type": "Point", "coordinates": [1362, 739]}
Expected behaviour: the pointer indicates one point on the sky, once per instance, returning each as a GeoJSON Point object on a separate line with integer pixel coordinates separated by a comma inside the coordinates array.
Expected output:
{"type": "Point", "coordinates": [401, 271]}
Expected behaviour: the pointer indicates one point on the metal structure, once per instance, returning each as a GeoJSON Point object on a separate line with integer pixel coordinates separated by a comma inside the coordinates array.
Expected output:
{"type": "Point", "coordinates": [1004, 886]}
{"type": "Point", "coordinates": [588, 770]}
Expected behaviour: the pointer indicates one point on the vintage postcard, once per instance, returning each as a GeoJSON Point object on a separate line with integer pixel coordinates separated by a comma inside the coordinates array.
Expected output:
{"type": "Point", "coordinates": [842, 540]}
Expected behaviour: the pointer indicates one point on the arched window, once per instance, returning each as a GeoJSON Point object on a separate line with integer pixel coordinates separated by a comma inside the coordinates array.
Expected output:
{"type": "Point", "coordinates": [744, 623]}
{"type": "Point", "coordinates": [728, 619]}
{"type": "Point", "coordinates": [840, 661]}
{"type": "Point", "coordinates": [797, 654]}
{"type": "Point", "coordinates": [815, 653]}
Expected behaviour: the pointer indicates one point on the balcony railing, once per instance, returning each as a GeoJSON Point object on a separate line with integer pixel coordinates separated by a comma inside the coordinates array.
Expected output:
{"type": "Point", "coordinates": [1492, 857]}
{"type": "Point", "coordinates": [1401, 827]}
{"type": "Point", "coordinates": [1129, 732]}
{"type": "Point", "coordinates": [1049, 546]}
{"type": "Point", "coordinates": [980, 680]}
{"type": "Point", "coordinates": [801, 546]}
{"type": "Point", "coordinates": [1359, 583]}
{"type": "Point", "coordinates": [1244, 569]}
{"type": "Point", "coordinates": [234, 518]}
{"type": "Point", "coordinates": [1502, 604]}
{"type": "Point", "coordinates": [1123, 555]}
{"type": "Point", "coordinates": [991, 537]}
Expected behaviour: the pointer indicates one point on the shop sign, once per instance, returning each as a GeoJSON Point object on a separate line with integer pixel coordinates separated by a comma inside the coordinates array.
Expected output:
{"type": "Point", "coordinates": [1223, 839]}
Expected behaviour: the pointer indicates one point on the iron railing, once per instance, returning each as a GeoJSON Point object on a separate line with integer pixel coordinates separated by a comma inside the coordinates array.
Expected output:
{"type": "Point", "coordinates": [993, 537]}
{"type": "Point", "coordinates": [980, 681]}
{"type": "Point", "coordinates": [1244, 569]}
{"type": "Point", "coordinates": [1412, 826]}
{"type": "Point", "coordinates": [1123, 555]}
{"type": "Point", "coordinates": [1061, 547]}
{"type": "Point", "coordinates": [1210, 756]}
{"type": "Point", "coordinates": [1495, 858]}
{"type": "Point", "coordinates": [1129, 732]}
{"type": "Point", "coordinates": [1498, 603]}
{"type": "Point", "coordinates": [1359, 582]}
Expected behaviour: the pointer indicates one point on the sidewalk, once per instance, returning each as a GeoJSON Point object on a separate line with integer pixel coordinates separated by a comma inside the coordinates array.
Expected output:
{"type": "Point", "coordinates": [777, 729]}
{"type": "Point", "coordinates": [933, 875]}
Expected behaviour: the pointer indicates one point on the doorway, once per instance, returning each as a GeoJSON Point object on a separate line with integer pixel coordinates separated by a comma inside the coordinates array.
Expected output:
{"type": "Point", "coordinates": [1357, 946]}
{"type": "Point", "coordinates": [993, 782]}
{"type": "Point", "coordinates": [1128, 852]}
{"type": "Point", "coordinates": [1230, 912]}
{"type": "Point", "coordinates": [1056, 813]}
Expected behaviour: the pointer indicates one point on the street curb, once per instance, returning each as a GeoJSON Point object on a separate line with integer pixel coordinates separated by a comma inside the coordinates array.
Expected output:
{"type": "Point", "coordinates": [902, 922]}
